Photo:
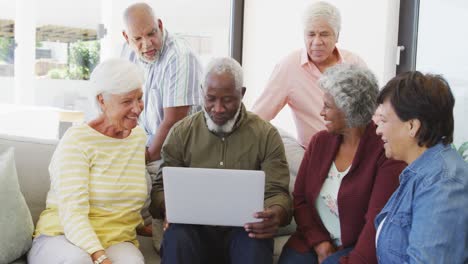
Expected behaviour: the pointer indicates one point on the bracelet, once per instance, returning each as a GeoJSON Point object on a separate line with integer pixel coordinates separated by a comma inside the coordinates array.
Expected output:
{"type": "Point", "coordinates": [100, 259]}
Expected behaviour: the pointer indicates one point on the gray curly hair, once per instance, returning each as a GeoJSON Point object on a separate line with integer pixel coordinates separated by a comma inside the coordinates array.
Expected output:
{"type": "Point", "coordinates": [354, 90]}
{"type": "Point", "coordinates": [228, 65]}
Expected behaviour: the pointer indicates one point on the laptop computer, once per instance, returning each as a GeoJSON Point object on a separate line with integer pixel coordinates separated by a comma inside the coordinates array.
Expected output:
{"type": "Point", "coordinates": [219, 197]}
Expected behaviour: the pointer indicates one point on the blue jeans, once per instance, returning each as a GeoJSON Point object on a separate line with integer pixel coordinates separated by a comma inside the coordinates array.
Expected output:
{"type": "Point", "coordinates": [291, 256]}
{"type": "Point", "coordinates": [209, 244]}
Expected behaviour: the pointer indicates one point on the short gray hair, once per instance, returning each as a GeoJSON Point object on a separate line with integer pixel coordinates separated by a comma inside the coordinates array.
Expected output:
{"type": "Point", "coordinates": [323, 10]}
{"type": "Point", "coordinates": [354, 90]}
{"type": "Point", "coordinates": [137, 7]}
{"type": "Point", "coordinates": [225, 65]}
{"type": "Point", "coordinates": [115, 76]}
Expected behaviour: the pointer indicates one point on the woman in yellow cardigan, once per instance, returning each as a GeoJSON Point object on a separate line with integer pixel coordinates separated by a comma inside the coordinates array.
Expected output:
{"type": "Point", "coordinates": [97, 173]}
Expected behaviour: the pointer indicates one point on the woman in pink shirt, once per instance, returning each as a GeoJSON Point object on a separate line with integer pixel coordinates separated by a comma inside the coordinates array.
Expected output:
{"type": "Point", "coordinates": [294, 79]}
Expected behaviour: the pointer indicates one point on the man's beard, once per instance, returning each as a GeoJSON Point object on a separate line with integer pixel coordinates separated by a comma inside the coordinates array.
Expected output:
{"type": "Point", "coordinates": [226, 128]}
{"type": "Point", "coordinates": [157, 55]}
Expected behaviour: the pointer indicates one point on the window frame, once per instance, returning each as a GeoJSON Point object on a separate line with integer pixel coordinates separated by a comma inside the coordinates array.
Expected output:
{"type": "Point", "coordinates": [408, 35]}
{"type": "Point", "coordinates": [237, 29]}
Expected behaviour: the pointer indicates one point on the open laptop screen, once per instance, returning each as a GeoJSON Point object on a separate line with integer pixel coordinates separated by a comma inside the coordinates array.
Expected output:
{"type": "Point", "coordinates": [213, 196]}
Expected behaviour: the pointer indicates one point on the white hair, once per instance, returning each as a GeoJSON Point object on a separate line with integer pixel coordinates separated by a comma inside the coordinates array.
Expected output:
{"type": "Point", "coordinates": [323, 10]}
{"type": "Point", "coordinates": [225, 65]}
{"type": "Point", "coordinates": [115, 76]}
{"type": "Point", "coordinates": [137, 7]}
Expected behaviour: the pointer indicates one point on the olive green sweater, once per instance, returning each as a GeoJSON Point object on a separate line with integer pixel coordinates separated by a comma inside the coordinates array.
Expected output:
{"type": "Point", "coordinates": [254, 144]}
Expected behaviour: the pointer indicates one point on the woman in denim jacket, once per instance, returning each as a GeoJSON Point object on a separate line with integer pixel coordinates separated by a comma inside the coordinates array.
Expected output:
{"type": "Point", "coordinates": [426, 219]}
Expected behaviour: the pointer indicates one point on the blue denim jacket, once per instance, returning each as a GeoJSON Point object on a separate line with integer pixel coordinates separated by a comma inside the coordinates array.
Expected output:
{"type": "Point", "coordinates": [426, 218]}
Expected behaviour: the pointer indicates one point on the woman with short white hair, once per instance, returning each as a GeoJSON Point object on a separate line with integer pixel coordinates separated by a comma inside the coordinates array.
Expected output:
{"type": "Point", "coordinates": [98, 184]}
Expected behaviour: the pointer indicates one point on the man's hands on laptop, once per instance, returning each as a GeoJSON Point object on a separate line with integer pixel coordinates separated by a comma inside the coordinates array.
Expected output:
{"type": "Point", "coordinates": [272, 217]}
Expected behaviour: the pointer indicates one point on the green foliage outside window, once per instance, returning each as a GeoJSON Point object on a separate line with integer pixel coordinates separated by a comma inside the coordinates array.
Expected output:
{"type": "Point", "coordinates": [462, 150]}
{"type": "Point", "coordinates": [83, 57]}
{"type": "Point", "coordinates": [7, 50]}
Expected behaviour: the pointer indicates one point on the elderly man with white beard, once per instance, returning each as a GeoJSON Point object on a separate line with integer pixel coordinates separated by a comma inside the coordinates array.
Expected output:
{"type": "Point", "coordinates": [224, 135]}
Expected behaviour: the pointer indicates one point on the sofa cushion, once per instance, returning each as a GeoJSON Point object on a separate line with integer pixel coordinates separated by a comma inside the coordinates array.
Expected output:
{"type": "Point", "coordinates": [22, 260]}
{"type": "Point", "coordinates": [32, 157]}
{"type": "Point", "coordinates": [294, 154]}
{"type": "Point", "coordinates": [15, 219]}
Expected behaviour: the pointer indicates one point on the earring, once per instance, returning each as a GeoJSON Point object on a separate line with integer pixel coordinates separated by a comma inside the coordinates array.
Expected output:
{"type": "Point", "coordinates": [412, 134]}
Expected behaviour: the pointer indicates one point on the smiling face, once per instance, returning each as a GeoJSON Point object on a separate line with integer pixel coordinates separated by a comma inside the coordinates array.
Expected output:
{"type": "Point", "coordinates": [396, 134]}
{"type": "Point", "coordinates": [144, 35]}
{"type": "Point", "coordinates": [121, 111]}
{"type": "Point", "coordinates": [335, 120]}
{"type": "Point", "coordinates": [320, 40]}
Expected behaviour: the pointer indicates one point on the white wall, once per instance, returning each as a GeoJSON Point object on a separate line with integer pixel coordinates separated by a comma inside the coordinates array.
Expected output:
{"type": "Point", "coordinates": [60, 93]}
{"type": "Point", "coordinates": [7, 89]}
{"type": "Point", "coordinates": [7, 9]}
{"type": "Point", "coordinates": [273, 29]}
{"type": "Point", "coordinates": [79, 14]}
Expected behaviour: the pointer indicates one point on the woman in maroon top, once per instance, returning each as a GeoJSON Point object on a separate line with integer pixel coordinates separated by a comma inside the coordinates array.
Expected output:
{"type": "Point", "coordinates": [344, 179]}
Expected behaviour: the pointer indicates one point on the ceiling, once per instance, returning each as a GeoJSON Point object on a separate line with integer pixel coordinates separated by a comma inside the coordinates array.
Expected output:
{"type": "Point", "coordinates": [51, 33]}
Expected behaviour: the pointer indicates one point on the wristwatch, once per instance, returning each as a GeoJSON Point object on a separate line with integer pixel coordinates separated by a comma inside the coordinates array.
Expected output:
{"type": "Point", "coordinates": [100, 259]}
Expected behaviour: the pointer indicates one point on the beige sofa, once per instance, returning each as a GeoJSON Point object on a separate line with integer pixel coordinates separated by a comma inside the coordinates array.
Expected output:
{"type": "Point", "coordinates": [32, 157]}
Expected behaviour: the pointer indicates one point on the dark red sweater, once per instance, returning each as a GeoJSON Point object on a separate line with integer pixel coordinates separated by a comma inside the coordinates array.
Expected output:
{"type": "Point", "coordinates": [364, 191]}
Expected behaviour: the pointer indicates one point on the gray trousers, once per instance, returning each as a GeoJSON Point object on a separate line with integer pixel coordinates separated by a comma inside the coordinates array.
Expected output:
{"type": "Point", "coordinates": [58, 250]}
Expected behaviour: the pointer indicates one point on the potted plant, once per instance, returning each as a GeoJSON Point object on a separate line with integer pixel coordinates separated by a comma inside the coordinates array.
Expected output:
{"type": "Point", "coordinates": [463, 150]}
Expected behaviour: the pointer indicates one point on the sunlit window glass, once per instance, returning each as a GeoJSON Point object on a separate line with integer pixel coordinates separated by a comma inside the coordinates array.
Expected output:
{"type": "Point", "coordinates": [7, 47]}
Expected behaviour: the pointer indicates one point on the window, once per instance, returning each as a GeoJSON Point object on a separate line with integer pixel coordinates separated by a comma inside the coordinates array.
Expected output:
{"type": "Point", "coordinates": [449, 59]}
{"type": "Point", "coordinates": [438, 46]}
{"type": "Point", "coordinates": [7, 47]}
{"type": "Point", "coordinates": [66, 52]}
{"type": "Point", "coordinates": [7, 51]}
{"type": "Point", "coordinates": [49, 47]}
